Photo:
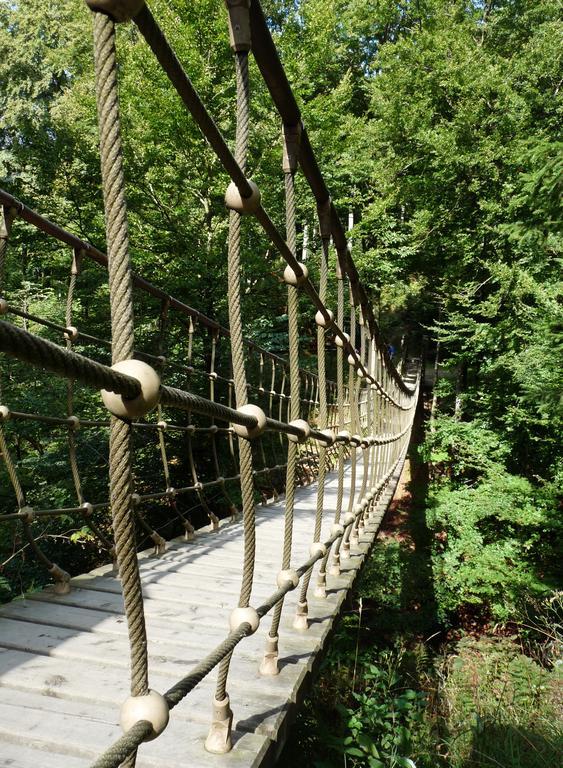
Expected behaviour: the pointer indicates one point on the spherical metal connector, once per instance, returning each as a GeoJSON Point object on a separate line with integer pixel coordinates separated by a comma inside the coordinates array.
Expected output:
{"type": "Point", "coordinates": [356, 440]}
{"type": "Point", "coordinates": [87, 509]}
{"type": "Point", "coordinates": [337, 529]}
{"type": "Point", "coordinates": [71, 333]}
{"type": "Point", "coordinates": [4, 413]}
{"type": "Point", "coordinates": [73, 423]}
{"type": "Point", "coordinates": [364, 442]}
{"type": "Point", "coordinates": [352, 360]}
{"type": "Point", "coordinates": [364, 504]}
{"type": "Point", "coordinates": [305, 429]}
{"type": "Point", "coordinates": [322, 321]}
{"type": "Point", "coordinates": [118, 10]}
{"type": "Point", "coordinates": [152, 707]}
{"type": "Point", "coordinates": [330, 437]}
{"type": "Point", "coordinates": [287, 576]}
{"type": "Point", "coordinates": [170, 492]}
{"type": "Point", "coordinates": [338, 341]}
{"type": "Point", "coordinates": [291, 278]}
{"type": "Point", "coordinates": [358, 509]}
{"type": "Point", "coordinates": [344, 435]}
{"type": "Point", "coordinates": [243, 205]}
{"type": "Point", "coordinates": [369, 496]}
{"type": "Point", "coordinates": [249, 433]}
{"type": "Point", "coordinates": [137, 407]}
{"type": "Point", "coordinates": [162, 425]}
{"type": "Point", "coordinates": [348, 519]}
{"type": "Point", "coordinates": [246, 615]}
{"type": "Point", "coordinates": [27, 514]}
{"type": "Point", "coordinates": [317, 549]}
{"type": "Point", "coordinates": [4, 307]}
{"type": "Point", "coordinates": [135, 499]}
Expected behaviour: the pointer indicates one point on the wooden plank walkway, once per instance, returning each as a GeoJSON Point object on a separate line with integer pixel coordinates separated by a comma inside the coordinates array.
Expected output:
{"type": "Point", "coordinates": [64, 660]}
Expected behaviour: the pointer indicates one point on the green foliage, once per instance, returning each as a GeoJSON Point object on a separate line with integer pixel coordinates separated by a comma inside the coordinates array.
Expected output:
{"type": "Point", "coordinates": [495, 534]}
{"type": "Point", "coordinates": [500, 707]}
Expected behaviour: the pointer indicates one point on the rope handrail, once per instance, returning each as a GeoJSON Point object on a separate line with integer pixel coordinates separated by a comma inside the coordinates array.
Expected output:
{"type": "Point", "coordinates": [159, 45]}
{"type": "Point", "coordinates": [318, 425]}
{"type": "Point", "coordinates": [273, 74]}
{"type": "Point", "coordinates": [95, 254]}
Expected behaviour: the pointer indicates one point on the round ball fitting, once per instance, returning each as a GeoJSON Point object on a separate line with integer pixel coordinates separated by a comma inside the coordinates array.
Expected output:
{"type": "Point", "coordinates": [373, 387]}
{"type": "Point", "coordinates": [289, 575]}
{"type": "Point", "coordinates": [291, 278]}
{"type": "Point", "coordinates": [317, 549]}
{"type": "Point", "coordinates": [365, 504]}
{"type": "Point", "coordinates": [87, 509]}
{"type": "Point", "coordinates": [152, 707]}
{"type": "Point", "coordinates": [352, 360]}
{"type": "Point", "coordinates": [356, 440]}
{"type": "Point", "coordinates": [71, 333]}
{"type": "Point", "coordinates": [329, 435]}
{"type": "Point", "coordinates": [369, 496]}
{"type": "Point", "coordinates": [244, 205]}
{"type": "Point", "coordinates": [338, 341]}
{"type": "Point", "coordinates": [136, 408]}
{"type": "Point", "coordinates": [246, 615]}
{"type": "Point", "coordinates": [119, 10]}
{"type": "Point", "coordinates": [27, 514]}
{"type": "Point", "coordinates": [135, 499]}
{"type": "Point", "coordinates": [337, 529]}
{"type": "Point", "coordinates": [170, 492]}
{"type": "Point", "coordinates": [4, 307]}
{"type": "Point", "coordinates": [344, 435]}
{"type": "Point", "coordinates": [73, 423]}
{"type": "Point", "coordinates": [251, 432]}
{"type": "Point", "coordinates": [304, 427]}
{"type": "Point", "coordinates": [358, 509]}
{"type": "Point", "coordinates": [364, 442]}
{"type": "Point", "coordinates": [322, 321]}
{"type": "Point", "coordinates": [162, 425]}
{"type": "Point", "coordinates": [348, 519]}
{"type": "Point", "coordinates": [4, 413]}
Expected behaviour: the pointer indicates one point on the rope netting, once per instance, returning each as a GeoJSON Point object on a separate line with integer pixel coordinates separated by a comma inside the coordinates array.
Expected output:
{"type": "Point", "coordinates": [247, 423]}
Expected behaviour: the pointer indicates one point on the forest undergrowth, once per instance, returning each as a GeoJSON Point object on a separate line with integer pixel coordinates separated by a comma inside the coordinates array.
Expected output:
{"type": "Point", "coordinates": [402, 688]}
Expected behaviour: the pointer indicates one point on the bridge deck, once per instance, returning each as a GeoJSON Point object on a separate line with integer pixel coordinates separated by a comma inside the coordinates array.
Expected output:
{"type": "Point", "coordinates": [64, 660]}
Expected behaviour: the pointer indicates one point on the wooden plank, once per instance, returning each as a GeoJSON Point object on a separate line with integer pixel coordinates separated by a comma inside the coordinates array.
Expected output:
{"type": "Point", "coordinates": [83, 730]}
{"type": "Point", "coordinates": [64, 659]}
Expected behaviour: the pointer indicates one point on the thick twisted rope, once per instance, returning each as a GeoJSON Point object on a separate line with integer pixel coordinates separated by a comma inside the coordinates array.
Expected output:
{"type": "Point", "coordinates": [122, 328]}
{"type": "Point", "coordinates": [237, 354]}
{"type": "Point", "coordinates": [341, 424]}
{"type": "Point", "coordinates": [322, 416]}
{"type": "Point", "coordinates": [294, 383]}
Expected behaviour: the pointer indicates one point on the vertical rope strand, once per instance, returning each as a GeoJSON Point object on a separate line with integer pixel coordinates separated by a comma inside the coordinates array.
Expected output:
{"type": "Point", "coordinates": [122, 328]}
{"type": "Point", "coordinates": [237, 355]}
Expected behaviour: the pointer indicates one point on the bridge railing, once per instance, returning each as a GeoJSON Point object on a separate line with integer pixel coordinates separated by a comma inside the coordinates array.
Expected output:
{"type": "Point", "coordinates": [250, 404]}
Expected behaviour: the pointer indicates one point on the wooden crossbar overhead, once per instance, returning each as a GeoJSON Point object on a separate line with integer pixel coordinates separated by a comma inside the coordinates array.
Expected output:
{"type": "Point", "coordinates": [271, 427]}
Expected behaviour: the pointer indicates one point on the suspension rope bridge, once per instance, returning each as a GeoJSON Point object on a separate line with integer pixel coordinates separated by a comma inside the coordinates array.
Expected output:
{"type": "Point", "coordinates": [323, 456]}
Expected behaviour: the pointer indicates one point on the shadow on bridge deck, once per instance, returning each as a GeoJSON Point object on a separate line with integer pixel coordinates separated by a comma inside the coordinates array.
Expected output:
{"type": "Point", "coordinates": [64, 659]}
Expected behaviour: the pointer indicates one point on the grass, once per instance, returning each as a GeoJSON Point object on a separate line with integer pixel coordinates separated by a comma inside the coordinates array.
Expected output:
{"type": "Point", "coordinates": [398, 691]}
